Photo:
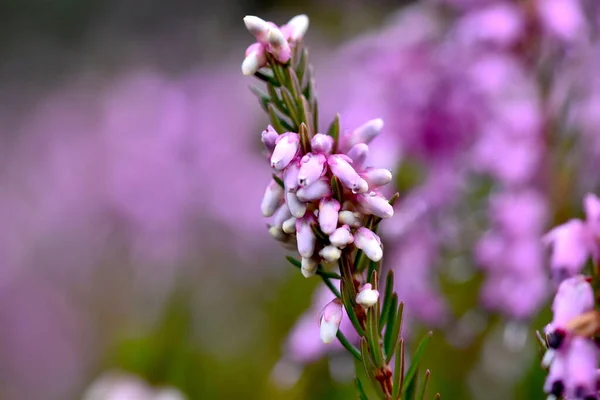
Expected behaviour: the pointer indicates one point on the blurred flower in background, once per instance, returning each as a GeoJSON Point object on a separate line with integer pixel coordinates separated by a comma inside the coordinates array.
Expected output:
{"type": "Point", "coordinates": [131, 179]}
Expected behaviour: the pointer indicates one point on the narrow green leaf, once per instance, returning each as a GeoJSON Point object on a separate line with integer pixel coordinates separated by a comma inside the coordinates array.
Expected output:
{"type": "Point", "coordinates": [316, 230]}
{"type": "Point", "coordinates": [334, 131]}
{"type": "Point", "coordinates": [262, 96]}
{"type": "Point", "coordinates": [348, 346]}
{"type": "Point", "coordinates": [370, 368]}
{"type": "Point", "coordinates": [278, 180]}
{"type": "Point", "coordinates": [277, 102]}
{"type": "Point", "coordinates": [331, 287]}
{"type": "Point", "coordinates": [414, 365]}
{"type": "Point", "coordinates": [410, 389]}
{"type": "Point", "coordinates": [301, 66]}
{"type": "Point", "coordinates": [541, 341]}
{"type": "Point", "coordinates": [278, 71]}
{"type": "Point", "coordinates": [387, 297]}
{"type": "Point", "coordinates": [306, 116]}
{"type": "Point", "coordinates": [421, 395]}
{"type": "Point", "coordinates": [267, 78]}
{"type": "Point", "coordinates": [361, 392]}
{"type": "Point", "coordinates": [398, 378]}
{"type": "Point", "coordinates": [294, 83]}
{"type": "Point", "coordinates": [349, 295]}
{"type": "Point", "coordinates": [373, 267]}
{"type": "Point", "coordinates": [392, 331]}
{"type": "Point", "coordinates": [290, 105]}
{"type": "Point", "coordinates": [304, 138]}
{"type": "Point", "coordinates": [293, 261]}
{"type": "Point", "coordinates": [337, 189]}
{"type": "Point", "coordinates": [275, 121]}
{"type": "Point", "coordinates": [373, 337]}
{"type": "Point", "coordinates": [360, 261]}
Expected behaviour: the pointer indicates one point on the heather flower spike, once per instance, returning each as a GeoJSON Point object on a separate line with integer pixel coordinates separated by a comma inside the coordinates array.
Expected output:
{"type": "Point", "coordinates": [324, 201]}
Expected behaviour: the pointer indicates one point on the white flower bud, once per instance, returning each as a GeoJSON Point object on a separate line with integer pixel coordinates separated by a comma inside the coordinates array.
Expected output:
{"type": "Point", "coordinates": [329, 321]}
{"type": "Point", "coordinates": [350, 218]}
{"type": "Point", "coordinates": [308, 267]}
{"type": "Point", "coordinates": [271, 199]}
{"type": "Point", "coordinates": [367, 297]}
{"type": "Point", "coordinates": [330, 253]}
{"type": "Point", "coordinates": [289, 225]}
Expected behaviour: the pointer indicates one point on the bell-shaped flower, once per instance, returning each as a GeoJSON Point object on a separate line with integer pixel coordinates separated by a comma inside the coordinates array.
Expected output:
{"type": "Point", "coordinates": [315, 191]}
{"type": "Point", "coordinates": [312, 167]}
{"type": "Point", "coordinates": [376, 177]}
{"type": "Point", "coordinates": [369, 243]}
{"type": "Point", "coordinates": [286, 147]}
{"type": "Point", "coordinates": [269, 137]}
{"type": "Point", "coordinates": [308, 267]}
{"type": "Point", "coordinates": [570, 248]}
{"type": "Point", "coordinates": [363, 134]}
{"type": "Point", "coordinates": [329, 320]}
{"type": "Point", "coordinates": [272, 199]}
{"type": "Point", "coordinates": [340, 167]}
{"type": "Point", "coordinates": [330, 253]}
{"type": "Point", "coordinates": [375, 204]}
{"type": "Point", "coordinates": [328, 215]}
{"type": "Point", "coordinates": [305, 237]}
{"type": "Point", "coordinates": [358, 154]}
{"type": "Point", "coordinates": [341, 237]}
{"type": "Point", "coordinates": [367, 297]}
{"type": "Point", "coordinates": [321, 143]}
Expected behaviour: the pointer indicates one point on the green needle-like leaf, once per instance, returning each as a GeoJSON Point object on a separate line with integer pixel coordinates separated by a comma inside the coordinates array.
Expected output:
{"type": "Point", "coordinates": [278, 180]}
{"type": "Point", "coordinates": [370, 368]}
{"type": "Point", "coordinates": [348, 346]}
{"type": "Point", "coordinates": [267, 78]}
{"type": "Point", "coordinates": [373, 337]}
{"type": "Point", "coordinates": [394, 325]}
{"type": "Point", "coordinates": [387, 297]}
{"type": "Point", "coordinates": [290, 105]}
{"type": "Point", "coordinates": [398, 378]}
{"type": "Point", "coordinates": [414, 365]}
{"type": "Point", "coordinates": [361, 392]}
{"type": "Point", "coordinates": [336, 188]}
{"type": "Point", "coordinates": [421, 395]}
{"type": "Point", "coordinates": [275, 121]}
{"type": "Point", "coordinates": [301, 67]}
{"type": "Point", "coordinates": [410, 389]}
{"type": "Point", "coordinates": [334, 131]}
{"type": "Point", "coordinates": [294, 86]}
{"type": "Point", "coordinates": [315, 113]}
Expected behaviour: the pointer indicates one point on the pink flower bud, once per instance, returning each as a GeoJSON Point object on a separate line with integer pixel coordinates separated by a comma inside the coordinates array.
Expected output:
{"type": "Point", "coordinates": [376, 177]}
{"type": "Point", "coordinates": [328, 215]}
{"type": "Point", "coordinates": [305, 237]}
{"type": "Point", "coordinates": [367, 297]}
{"type": "Point", "coordinates": [297, 208]}
{"type": "Point", "coordinates": [312, 167]}
{"type": "Point", "coordinates": [290, 176]}
{"type": "Point", "coordinates": [376, 204]}
{"type": "Point", "coordinates": [286, 147]}
{"type": "Point", "coordinates": [278, 45]}
{"type": "Point", "coordinates": [272, 199]}
{"type": "Point", "coordinates": [358, 153]}
{"type": "Point", "coordinates": [350, 218]}
{"type": "Point", "coordinates": [315, 191]}
{"type": "Point", "coordinates": [341, 237]}
{"type": "Point", "coordinates": [574, 297]}
{"type": "Point", "coordinates": [321, 143]}
{"type": "Point", "coordinates": [255, 59]}
{"type": "Point", "coordinates": [582, 364]}
{"type": "Point", "coordinates": [363, 134]}
{"type": "Point", "coordinates": [281, 215]}
{"type": "Point", "coordinates": [308, 267]}
{"type": "Point", "coordinates": [297, 27]}
{"type": "Point", "coordinates": [369, 243]}
{"type": "Point", "coordinates": [330, 253]}
{"type": "Point", "coordinates": [269, 137]}
{"type": "Point", "coordinates": [340, 167]}
{"type": "Point", "coordinates": [289, 225]}
{"type": "Point", "coordinates": [556, 375]}
{"type": "Point", "coordinates": [569, 247]}
{"type": "Point", "coordinates": [329, 320]}
{"type": "Point", "coordinates": [258, 27]}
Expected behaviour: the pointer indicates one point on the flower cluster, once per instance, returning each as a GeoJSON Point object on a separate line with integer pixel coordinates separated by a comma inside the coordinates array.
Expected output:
{"type": "Point", "coordinates": [302, 199]}
{"type": "Point", "coordinates": [573, 356]}
{"type": "Point", "coordinates": [271, 39]}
